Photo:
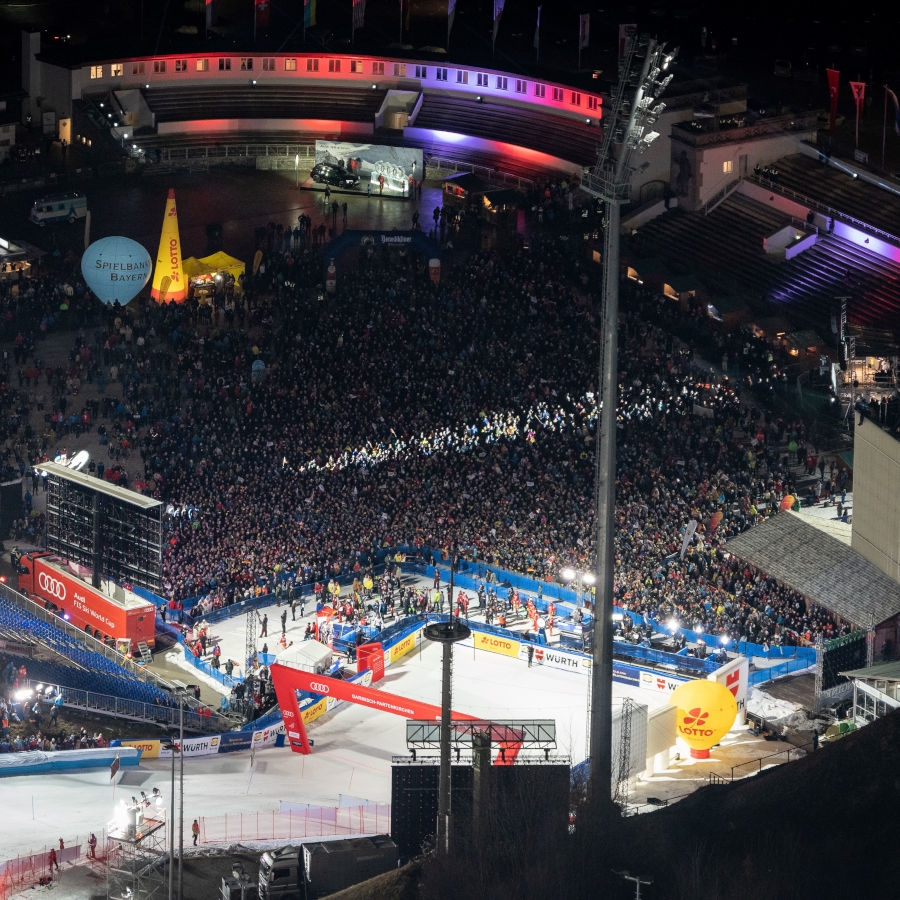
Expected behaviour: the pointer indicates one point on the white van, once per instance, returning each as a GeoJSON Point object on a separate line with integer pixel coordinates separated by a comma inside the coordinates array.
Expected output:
{"type": "Point", "coordinates": [59, 208]}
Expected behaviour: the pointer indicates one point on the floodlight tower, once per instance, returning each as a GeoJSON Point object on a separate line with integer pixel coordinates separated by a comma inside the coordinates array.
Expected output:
{"type": "Point", "coordinates": [447, 633]}
{"type": "Point", "coordinates": [628, 125]}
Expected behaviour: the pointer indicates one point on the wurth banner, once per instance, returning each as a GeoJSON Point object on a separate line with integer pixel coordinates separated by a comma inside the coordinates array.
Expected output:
{"type": "Point", "coordinates": [735, 675]}
{"type": "Point", "coordinates": [584, 30]}
{"type": "Point", "coordinates": [359, 14]}
{"type": "Point", "coordinates": [834, 78]}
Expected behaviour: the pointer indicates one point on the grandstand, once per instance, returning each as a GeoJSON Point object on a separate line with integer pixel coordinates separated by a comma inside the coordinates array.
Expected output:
{"type": "Point", "coordinates": [59, 658]}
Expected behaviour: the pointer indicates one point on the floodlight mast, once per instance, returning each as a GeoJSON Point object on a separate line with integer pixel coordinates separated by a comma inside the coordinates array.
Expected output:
{"type": "Point", "coordinates": [625, 126]}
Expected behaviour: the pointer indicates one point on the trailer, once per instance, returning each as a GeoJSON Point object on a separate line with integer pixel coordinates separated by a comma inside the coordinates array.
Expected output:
{"type": "Point", "coordinates": [111, 613]}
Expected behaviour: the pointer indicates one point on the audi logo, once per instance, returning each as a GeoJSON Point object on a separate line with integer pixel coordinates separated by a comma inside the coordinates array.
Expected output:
{"type": "Point", "coordinates": [51, 586]}
{"type": "Point", "coordinates": [318, 687]}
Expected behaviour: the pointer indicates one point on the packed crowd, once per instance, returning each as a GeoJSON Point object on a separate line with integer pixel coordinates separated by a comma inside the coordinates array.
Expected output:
{"type": "Point", "coordinates": [404, 412]}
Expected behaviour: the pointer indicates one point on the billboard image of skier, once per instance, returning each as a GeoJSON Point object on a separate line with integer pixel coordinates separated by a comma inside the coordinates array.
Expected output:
{"type": "Point", "coordinates": [381, 170]}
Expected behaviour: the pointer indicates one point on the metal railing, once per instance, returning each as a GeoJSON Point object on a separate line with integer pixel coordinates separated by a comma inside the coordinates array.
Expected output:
{"type": "Point", "coordinates": [822, 208]}
{"type": "Point", "coordinates": [757, 764]}
{"type": "Point", "coordinates": [136, 710]}
{"type": "Point", "coordinates": [731, 185]}
{"type": "Point", "coordinates": [446, 164]}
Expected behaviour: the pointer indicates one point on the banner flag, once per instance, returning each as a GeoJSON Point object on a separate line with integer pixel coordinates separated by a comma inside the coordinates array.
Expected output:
{"type": "Point", "coordinates": [893, 97]}
{"type": "Point", "coordinates": [834, 77]}
{"type": "Point", "coordinates": [859, 95]}
{"type": "Point", "coordinates": [309, 13]}
{"type": "Point", "coordinates": [359, 14]}
{"type": "Point", "coordinates": [584, 30]}
{"type": "Point", "coordinates": [168, 276]}
{"type": "Point", "coordinates": [498, 12]}
{"type": "Point", "coordinates": [537, 33]}
{"type": "Point", "coordinates": [688, 534]}
{"type": "Point", "coordinates": [451, 15]}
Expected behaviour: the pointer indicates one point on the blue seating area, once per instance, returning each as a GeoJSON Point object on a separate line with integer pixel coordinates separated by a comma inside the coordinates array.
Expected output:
{"type": "Point", "coordinates": [89, 670]}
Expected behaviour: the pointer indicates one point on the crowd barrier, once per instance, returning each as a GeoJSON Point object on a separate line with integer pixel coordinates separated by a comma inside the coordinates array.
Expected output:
{"type": "Point", "coordinates": [262, 734]}
{"type": "Point", "coordinates": [201, 665]}
{"type": "Point", "coordinates": [24, 872]}
{"type": "Point", "coordinates": [296, 824]}
{"type": "Point", "coordinates": [34, 762]}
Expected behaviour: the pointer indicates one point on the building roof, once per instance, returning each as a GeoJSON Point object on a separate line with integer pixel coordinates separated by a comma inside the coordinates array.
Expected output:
{"type": "Point", "coordinates": [99, 485]}
{"type": "Point", "coordinates": [883, 671]}
{"type": "Point", "coordinates": [820, 567]}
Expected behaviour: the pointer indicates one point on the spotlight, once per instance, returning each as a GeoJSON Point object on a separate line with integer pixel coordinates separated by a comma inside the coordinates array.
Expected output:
{"type": "Point", "coordinates": [146, 87]}
{"type": "Point", "coordinates": [374, 87]}
{"type": "Point", "coordinates": [479, 99]}
{"type": "Point", "coordinates": [252, 82]}
{"type": "Point", "coordinates": [587, 121]}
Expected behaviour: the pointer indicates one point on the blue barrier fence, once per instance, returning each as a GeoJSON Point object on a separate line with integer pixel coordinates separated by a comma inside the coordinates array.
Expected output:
{"type": "Point", "coordinates": [201, 665]}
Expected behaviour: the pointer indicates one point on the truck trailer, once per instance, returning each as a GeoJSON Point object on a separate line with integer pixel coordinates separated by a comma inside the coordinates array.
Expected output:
{"type": "Point", "coordinates": [113, 614]}
{"type": "Point", "coordinates": [318, 868]}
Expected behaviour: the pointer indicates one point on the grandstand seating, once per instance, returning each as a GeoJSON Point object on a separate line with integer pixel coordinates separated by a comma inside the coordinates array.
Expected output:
{"type": "Point", "coordinates": [836, 189]}
{"type": "Point", "coordinates": [568, 139]}
{"type": "Point", "coordinates": [185, 104]}
{"type": "Point", "coordinates": [89, 670]}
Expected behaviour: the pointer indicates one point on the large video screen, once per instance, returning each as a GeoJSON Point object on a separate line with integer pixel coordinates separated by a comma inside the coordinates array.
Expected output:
{"type": "Point", "coordinates": [380, 169]}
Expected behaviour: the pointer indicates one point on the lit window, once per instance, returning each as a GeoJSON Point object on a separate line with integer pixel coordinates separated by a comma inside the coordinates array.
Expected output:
{"type": "Point", "coordinates": [592, 103]}
{"type": "Point", "coordinates": [312, 65]}
{"type": "Point", "coordinates": [378, 68]}
{"type": "Point", "coordinates": [334, 65]}
{"type": "Point", "coordinates": [290, 65]}
{"type": "Point", "coordinates": [400, 70]}
{"type": "Point", "coordinates": [502, 82]}
{"type": "Point", "coordinates": [159, 66]}
{"type": "Point", "coordinates": [116, 70]}
{"type": "Point", "coordinates": [421, 71]}
{"type": "Point", "coordinates": [462, 77]}
{"type": "Point", "coordinates": [356, 66]}
{"type": "Point", "coordinates": [137, 68]}
{"type": "Point", "coordinates": [558, 94]}
{"type": "Point", "coordinates": [482, 79]}
{"type": "Point", "coordinates": [540, 90]}
{"type": "Point", "coordinates": [181, 65]}
{"type": "Point", "coordinates": [440, 74]}
{"type": "Point", "coordinates": [727, 167]}
{"type": "Point", "coordinates": [246, 63]}
{"type": "Point", "coordinates": [96, 71]}
{"type": "Point", "coordinates": [268, 64]}
{"type": "Point", "coordinates": [224, 63]}
{"type": "Point", "coordinates": [576, 98]}
{"type": "Point", "coordinates": [521, 86]}
{"type": "Point", "coordinates": [202, 65]}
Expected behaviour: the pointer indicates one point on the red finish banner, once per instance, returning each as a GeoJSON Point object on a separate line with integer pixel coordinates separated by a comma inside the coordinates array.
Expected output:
{"type": "Point", "coordinates": [834, 77]}
{"type": "Point", "coordinates": [288, 681]}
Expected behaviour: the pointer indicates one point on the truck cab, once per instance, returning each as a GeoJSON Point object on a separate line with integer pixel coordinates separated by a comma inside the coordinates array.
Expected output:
{"type": "Point", "coordinates": [280, 874]}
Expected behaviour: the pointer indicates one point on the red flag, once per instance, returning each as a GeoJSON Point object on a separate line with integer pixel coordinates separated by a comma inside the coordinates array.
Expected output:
{"type": "Point", "coordinates": [834, 77]}
{"type": "Point", "coordinates": [359, 14]}
{"type": "Point", "coordinates": [859, 94]}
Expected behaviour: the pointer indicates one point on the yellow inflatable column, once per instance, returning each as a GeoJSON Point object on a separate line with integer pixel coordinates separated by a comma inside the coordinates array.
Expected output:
{"type": "Point", "coordinates": [168, 277]}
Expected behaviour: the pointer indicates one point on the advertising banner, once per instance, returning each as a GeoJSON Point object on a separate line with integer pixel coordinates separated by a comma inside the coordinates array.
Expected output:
{"type": "Point", "coordinates": [385, 170]}
{"type": "Point", "coordinates": [555, 659]}
{"type": "Point", "coordinates": [267, 736]}
{"type": "Point", "coordinates": [150, 748]}
{"type": "Point", "coordinates": [625, 674]}
{"type": "Point", "coordinates": [660, 684]}
{"type": "Point", "coordinates": [235, 740]}
{"type": "Point", "coordinates": [404, 646]}
{"type": "Point", "coordinates": [735, 675]}
{"type": "Point", "coordinates": [494, 643]}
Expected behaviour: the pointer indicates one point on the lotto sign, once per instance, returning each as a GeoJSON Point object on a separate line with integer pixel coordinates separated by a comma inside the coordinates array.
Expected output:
{"type": "Point", "coordinates": [403, 647]}
{"type": "Point", "coordinates": [495, 644]}
{"type": "Point", "coordinates": [149, 749]}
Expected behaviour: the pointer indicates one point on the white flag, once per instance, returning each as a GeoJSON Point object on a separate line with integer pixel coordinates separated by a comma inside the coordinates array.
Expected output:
{"type": "Point", "coordinates": [688, 534]}
{"type": "Point", "coordinates": [584, 30]}
{"type": "Point", "coordinates": [498, 12]}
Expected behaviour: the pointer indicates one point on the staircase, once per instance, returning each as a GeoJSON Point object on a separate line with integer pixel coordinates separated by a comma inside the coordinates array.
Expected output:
{"type": "Point", "coordinates": [144, 651]}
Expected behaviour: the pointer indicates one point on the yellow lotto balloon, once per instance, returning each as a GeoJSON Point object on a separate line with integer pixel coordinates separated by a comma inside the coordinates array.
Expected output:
{"type": "Point", "coordinates": [706, 710]}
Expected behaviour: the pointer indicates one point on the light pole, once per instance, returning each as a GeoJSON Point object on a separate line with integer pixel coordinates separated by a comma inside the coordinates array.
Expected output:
{"type": "Point", "coordinates": [580, 578]}
{"type": "Point", "coordinates": [181, 794]}
{"type": "Point", "coordinates": [172, 827]}
{"type": "Point", "coordinates": [297, 171]}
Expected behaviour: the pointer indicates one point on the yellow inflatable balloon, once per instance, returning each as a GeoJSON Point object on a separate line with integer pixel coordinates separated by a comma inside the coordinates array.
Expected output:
{"type": "Point", "coordinates": [706, 712]}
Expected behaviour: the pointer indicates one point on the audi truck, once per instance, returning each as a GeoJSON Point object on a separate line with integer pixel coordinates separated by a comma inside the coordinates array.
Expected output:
{"type": "Point", "coordinates": [114, 614]}
{"type": "Point", "coordinates": [319, 868]}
